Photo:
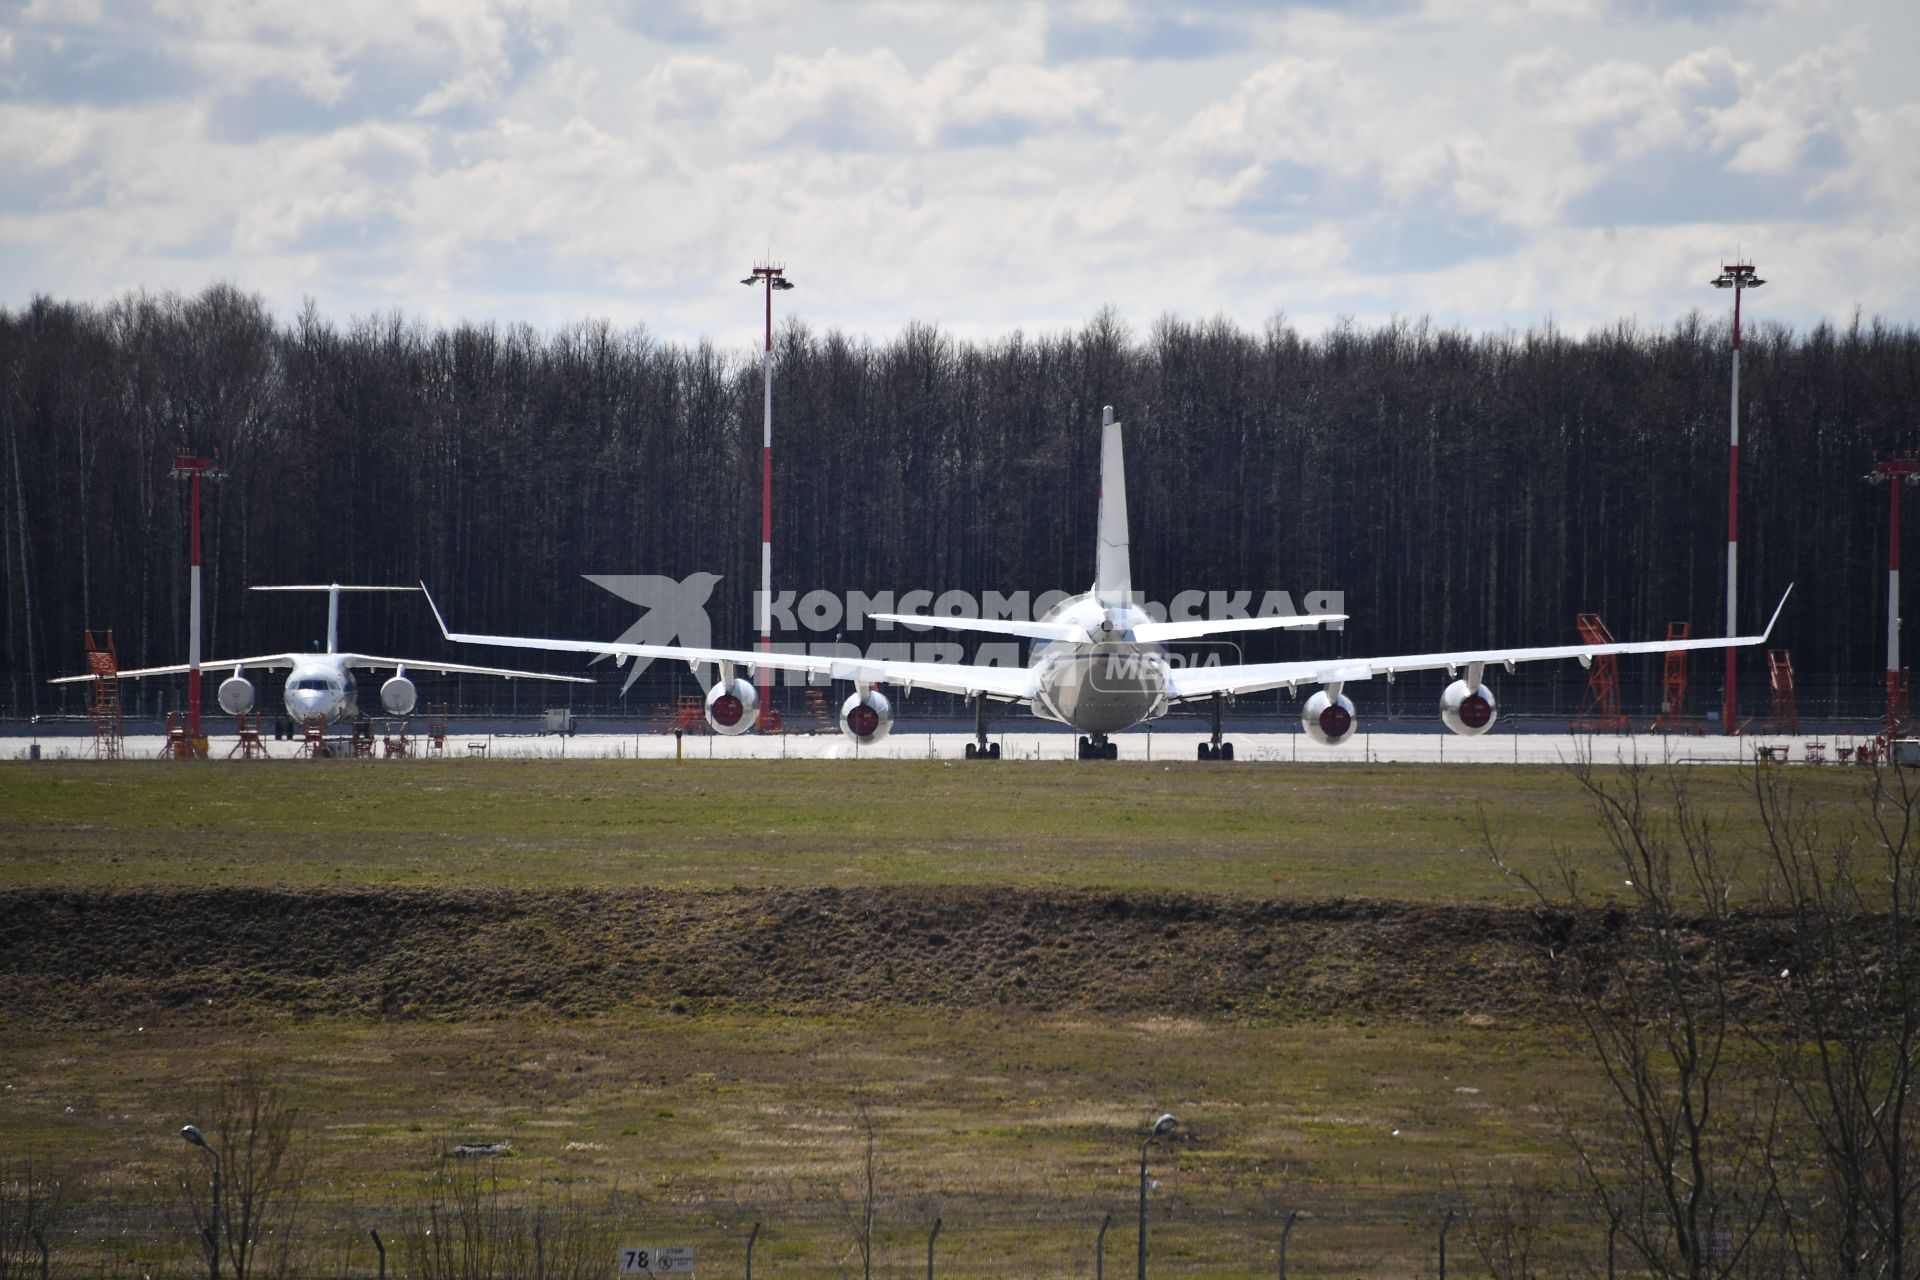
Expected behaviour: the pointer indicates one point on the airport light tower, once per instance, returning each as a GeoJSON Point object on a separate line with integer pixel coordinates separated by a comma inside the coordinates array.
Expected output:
{"type": "Point", "coordinates": [1739, 277]}
{"type": "Point", "coordinates": [770, 277]}
{"type": "Point", "coordinates": [192, 469]}
{"type": "Point", "coordinates": [1896, 472]}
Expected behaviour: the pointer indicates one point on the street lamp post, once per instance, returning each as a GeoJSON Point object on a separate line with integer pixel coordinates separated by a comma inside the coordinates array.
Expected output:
{"type": "Point", "coordinates": [1739, 277]}
{"type": "Point", "coordinates": [1163, 1125]}
{"type": "Point", "coordinates": [193, 1135]}
{"type": "Point", "coordinates": [771, 277]}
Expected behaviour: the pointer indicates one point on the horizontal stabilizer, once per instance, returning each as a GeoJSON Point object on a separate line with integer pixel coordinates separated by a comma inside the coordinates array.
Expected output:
{"type": "Point", "coordinates": [991, 626]}
{"type": "Point", "coordinates": [327, 586]}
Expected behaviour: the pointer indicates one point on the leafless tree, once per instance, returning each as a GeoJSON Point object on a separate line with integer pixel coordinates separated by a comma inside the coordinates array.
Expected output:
{"type": "Point", "coordinates": [1847, 1040]}
{"type": "Point", "coordinates": [464, 1226]}
{"type": "Point", "coordinates": [1682, 1160]}
{"type": "Point", "coordinates": [1505, 1217]}
{"type": "Point", "coordinates": [254, 1130]}
{"type": "Point", "coordinates": [33, 1198]}
{"type": "Point", "coordinates": [859, 1210]}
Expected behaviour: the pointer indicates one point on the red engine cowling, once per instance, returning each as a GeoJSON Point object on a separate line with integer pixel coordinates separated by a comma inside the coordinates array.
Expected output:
{"type": "Point", "coordinates": [1326, 719]}
{"type": "Point", "coordinates": [867, 717]}
{"type": "Point", "coordinates": [236, 695]}
{"type": "Point", "coordinates": [1467, 711]}
{"type": "Point", "coordinates": [733, 706]}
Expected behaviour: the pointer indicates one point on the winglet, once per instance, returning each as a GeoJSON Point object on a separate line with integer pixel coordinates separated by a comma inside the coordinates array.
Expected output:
{"type": "Point", "coordinates": [1776, 611]}
{"type": "Point", "coordinates": [445, 634]}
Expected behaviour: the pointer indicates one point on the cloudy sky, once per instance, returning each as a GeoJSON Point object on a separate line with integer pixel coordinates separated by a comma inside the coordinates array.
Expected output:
{"type": "Point", "coordinates": [980, 165]}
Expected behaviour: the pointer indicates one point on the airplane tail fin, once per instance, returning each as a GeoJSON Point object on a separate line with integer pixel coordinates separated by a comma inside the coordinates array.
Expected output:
{"type": "Point", "coordinates": [333, 590]}
{"type": "Point", "coordinates": [1112, 572]}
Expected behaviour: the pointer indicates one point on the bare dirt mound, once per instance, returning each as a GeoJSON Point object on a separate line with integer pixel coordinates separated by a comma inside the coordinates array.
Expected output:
{"type": "Point", "coordinates": [415, 953]}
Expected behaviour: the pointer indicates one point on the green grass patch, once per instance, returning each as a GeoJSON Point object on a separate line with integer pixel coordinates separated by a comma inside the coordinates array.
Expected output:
{"type": "Point", "coordinates": [1308, 831]}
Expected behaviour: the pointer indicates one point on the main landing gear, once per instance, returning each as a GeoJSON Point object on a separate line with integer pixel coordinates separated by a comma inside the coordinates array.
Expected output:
{"type": "Point", "coordinates": [1214, 748]}
{"type": "Point", "coordinates": [1098, 748]}
{"type": "Point", "coordinates": [980, 748]}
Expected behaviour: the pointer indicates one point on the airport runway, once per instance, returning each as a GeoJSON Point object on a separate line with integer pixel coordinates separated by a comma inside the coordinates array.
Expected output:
{"type": "Point", "coordinates": [1365, 748]}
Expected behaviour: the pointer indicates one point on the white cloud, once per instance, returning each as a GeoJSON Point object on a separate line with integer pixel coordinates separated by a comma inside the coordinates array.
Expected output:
{"type": "Point", "coordinates": [540, 159]}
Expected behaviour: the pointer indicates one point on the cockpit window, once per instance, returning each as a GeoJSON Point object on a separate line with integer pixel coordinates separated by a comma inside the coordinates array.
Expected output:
{"type": "Point", "coordinates": [318, 684]}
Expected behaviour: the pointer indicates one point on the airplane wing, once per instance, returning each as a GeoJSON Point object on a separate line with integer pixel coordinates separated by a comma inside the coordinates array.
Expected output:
{"type": "Point", "coordinates": [1006, 683]}
{"type": "Point", "coordinates": [1200, 682]}
{"type": "Point", "coordinates": [373, 663]}
{"type": "Point", "coordinates": [268, 660]}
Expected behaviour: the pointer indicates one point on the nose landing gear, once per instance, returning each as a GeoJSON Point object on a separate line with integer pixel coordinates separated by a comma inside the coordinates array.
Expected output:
{"type": "Point", "coordinates": [1098, 748]}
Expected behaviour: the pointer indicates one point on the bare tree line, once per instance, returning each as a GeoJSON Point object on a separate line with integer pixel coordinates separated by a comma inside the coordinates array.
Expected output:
{"type": "Point", "coordinates": [1460, 488]}
{"type": "Point", "coordinates": [1764, 1080]}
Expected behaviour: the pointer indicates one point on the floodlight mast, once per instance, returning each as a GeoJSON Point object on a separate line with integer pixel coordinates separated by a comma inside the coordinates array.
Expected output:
{"type": "Point", "coordinates": [770, 276]}
{"type": "Point", "coordinates": [1896, 471]}
{"type": "Point", "coordinates": [193, 468]}
{"type": "Point", "coordinates": [1739, 277]}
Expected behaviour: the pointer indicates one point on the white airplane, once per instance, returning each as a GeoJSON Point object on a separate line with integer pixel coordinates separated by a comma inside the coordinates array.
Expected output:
{"type": "Point", "coordinates": [1099, 664]}
{"type": "Point", "coordinates": [320, 686]}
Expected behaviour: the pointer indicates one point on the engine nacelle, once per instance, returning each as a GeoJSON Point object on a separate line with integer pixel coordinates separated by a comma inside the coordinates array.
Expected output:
{"type": "Point", "coordinates": [236, 695]}
{"type": "Point", "coordinates": [397, 695]}
{"type": "Point", "coordinates": [867, 718]}
{"type": "Point", "coordinates": [1467, 711]}
{"type": "Point", "coordinates": [1326, 719]}
{"type": "Point", "coordinates": [733, 706]}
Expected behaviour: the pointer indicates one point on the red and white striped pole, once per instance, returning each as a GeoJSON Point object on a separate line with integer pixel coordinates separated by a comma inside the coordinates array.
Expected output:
{"type": "Point", "coordinates": [193, 468]}
{"type": "Point", "coordinates": [1738, 277]}
{"type": "Point", "coordinates": [770, 277]}
{"type": "Point", "coordinates": [1895, 472]}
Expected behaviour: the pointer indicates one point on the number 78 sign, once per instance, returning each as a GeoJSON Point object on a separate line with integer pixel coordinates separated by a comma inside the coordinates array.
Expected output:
{"type": "Point", "coordinates": [670, 1260]}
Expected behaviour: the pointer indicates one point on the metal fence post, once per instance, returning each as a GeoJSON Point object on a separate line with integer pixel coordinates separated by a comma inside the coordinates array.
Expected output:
{"type": "Point", "coordinates": [1284, 1233]}
{"type": "Point", "coordinates": [1100, 1248]}
{"type": "Point", "coordinates": [931, 1236]}
{"type": "Point", "coordinates": [1613, 1225]}
{"type": "Point", "coordinates": [380, 1249]}
{"type": "Point", "coordinates": [1445, 1223]}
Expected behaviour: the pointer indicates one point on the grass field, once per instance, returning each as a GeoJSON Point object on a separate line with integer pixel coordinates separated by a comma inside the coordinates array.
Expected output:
{"type": "Point", "coordinates": [1019, 1126]}
{"type": "Point", "coordinates": [1376, 831]}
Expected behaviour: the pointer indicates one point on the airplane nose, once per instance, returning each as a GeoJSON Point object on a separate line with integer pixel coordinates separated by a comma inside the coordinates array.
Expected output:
{"type": "Point", "coordinates": [308, 703]}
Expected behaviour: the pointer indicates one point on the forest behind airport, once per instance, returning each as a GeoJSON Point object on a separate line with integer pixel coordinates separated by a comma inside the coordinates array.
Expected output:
{"type": "Point", "coordinates": [1460, 488]}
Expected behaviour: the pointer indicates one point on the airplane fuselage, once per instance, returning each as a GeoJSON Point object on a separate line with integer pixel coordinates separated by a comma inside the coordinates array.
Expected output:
{"type": "Point", "coordinates": [322, 687]}
{"type": "Point", "coordinates": [1105, 684]}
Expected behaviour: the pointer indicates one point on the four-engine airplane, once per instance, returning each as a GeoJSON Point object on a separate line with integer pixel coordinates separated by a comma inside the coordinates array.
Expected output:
{"type": "Point", "coordinates": [320, 686]}
{"type": "Point", "coordinates": [1099, 663]}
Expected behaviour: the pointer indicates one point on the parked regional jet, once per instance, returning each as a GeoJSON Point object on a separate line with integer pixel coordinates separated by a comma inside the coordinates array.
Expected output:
{"type": "Point", "coordinates": [320, 686]}
{"type": "Point", "coordinates": [1099, 663]}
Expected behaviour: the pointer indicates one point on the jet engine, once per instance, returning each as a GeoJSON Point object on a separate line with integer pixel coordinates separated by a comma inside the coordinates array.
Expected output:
{"type": "Point", "coordinates": [1327, 719]}
{"type": "Point", "coordinates": [397, 695]}
{"type": "Point", "coordinates": [1467, 709]}
{"type": "Point", "coordinates": [733, 706]}
{"type": "Point", "coordinates": [867, 717]}
{"type": "Point", "coordinates": [236, 695]}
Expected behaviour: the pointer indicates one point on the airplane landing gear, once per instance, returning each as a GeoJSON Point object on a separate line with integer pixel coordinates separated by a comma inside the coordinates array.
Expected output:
{"type": "Point", "coordinates": [980, 748]}
{"type": "Point", "coordinates": [1098, 748]}
{"type": "Point", "coordinates": [1214, 748]}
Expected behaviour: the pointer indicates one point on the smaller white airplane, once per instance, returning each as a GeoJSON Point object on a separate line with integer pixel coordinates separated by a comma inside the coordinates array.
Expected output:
{"type": "Point", "coordinates": [320, 686]}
